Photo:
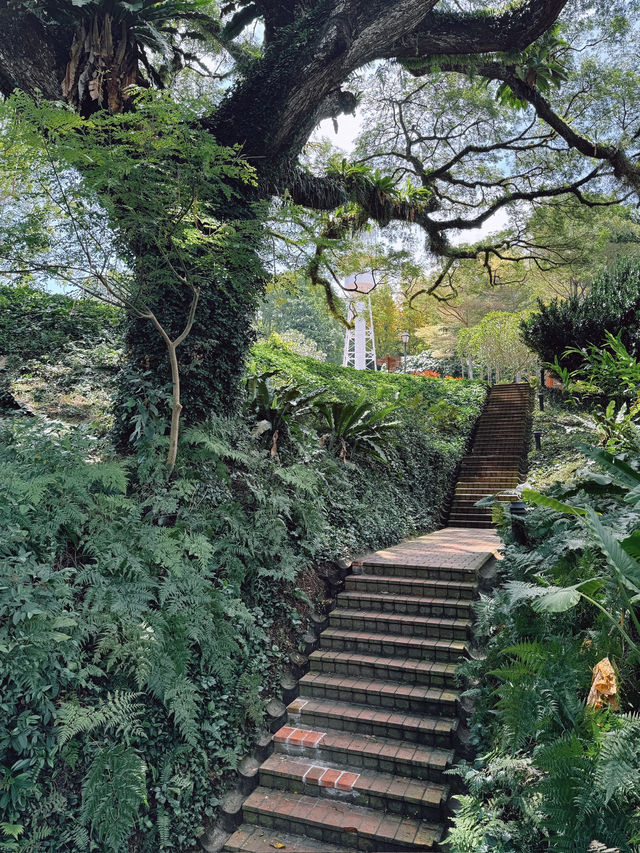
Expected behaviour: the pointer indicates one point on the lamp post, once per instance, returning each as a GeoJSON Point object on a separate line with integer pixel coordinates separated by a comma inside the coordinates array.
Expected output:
{"type": "Point", "coordinates": [404, 337]}
{"type": "Point", "coordinates": [518, 511]}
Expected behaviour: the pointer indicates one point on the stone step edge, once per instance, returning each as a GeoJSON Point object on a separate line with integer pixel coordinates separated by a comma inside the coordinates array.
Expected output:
{"type": "Point", "coordinates": [440, 624]}
{"type": "Point", "coordinates": [373, 747]}
{"type": "Point", "coordinates": [377, 661]}
{"type": "Point", "coordinates": [375, 687]}
{"type": "Point", "coordinates": [457, 647]}
{"type": "Point", "coordinates": [319, 779]}
{"type": "Point", "coordinates": [345, 820]}
{"type": "Point", "coordinates": [251, 838]}
{"type": "Point", "coordinates": [382, 596]}
{"type": "Point", "coordinates": [446, 586]}
{"type": "Point", "coordinates": [342, 716]}
{"type": "Point", "coordinates": [395, 602]}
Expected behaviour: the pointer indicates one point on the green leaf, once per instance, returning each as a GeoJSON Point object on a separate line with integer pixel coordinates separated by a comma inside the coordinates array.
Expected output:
{"type": "Point", "coordinates": [13, 830]}
{"type": "Point", "coordinates": [531, 496]}
{"type": "Point", "coordinates": [631, 545]}
{"type": "Point", "coordinates": [621, 472]}
{"type": "Point", "coordinates": [626, 568]}
{"type": "Point", "coordinates": [564, 598]}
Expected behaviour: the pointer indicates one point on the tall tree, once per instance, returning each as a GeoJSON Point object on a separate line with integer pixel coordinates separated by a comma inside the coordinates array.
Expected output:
{"type": "Point", "coordinates": [282, 89]}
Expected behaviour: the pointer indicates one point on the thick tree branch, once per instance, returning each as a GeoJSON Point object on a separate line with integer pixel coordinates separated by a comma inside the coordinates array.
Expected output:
{"type": "Point", "coordinates": [443, 33]}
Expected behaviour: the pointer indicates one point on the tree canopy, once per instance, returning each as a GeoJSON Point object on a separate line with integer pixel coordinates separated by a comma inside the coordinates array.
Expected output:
{"type": "Point", "coordinates": [468, 111]}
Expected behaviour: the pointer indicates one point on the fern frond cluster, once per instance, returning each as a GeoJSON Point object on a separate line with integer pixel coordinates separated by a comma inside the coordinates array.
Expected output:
{"type": "Point", "coordinates": [557, 776]}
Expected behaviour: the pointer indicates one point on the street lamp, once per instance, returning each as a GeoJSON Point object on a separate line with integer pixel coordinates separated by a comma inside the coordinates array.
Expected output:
{"type": "Point", "coordinates": [404, 337]}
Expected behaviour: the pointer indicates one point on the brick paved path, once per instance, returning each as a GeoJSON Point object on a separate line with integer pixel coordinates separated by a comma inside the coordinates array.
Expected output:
{"type": "Point", "coordinates": [359, 764]}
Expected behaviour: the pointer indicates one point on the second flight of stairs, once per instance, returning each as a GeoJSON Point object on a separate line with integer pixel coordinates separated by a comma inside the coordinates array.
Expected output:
{"type": "Point", "coordinates": [498, 456]}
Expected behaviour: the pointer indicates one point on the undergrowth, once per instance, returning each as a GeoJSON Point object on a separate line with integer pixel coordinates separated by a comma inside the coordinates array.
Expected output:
{"type": "Point", "coordinates": [143, 621]}
{"type": "Point", "coordinates": [556, 774]}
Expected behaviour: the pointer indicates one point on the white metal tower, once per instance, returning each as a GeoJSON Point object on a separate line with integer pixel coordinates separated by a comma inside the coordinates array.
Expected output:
{"type": "Point", "coordinates": [359, 342]}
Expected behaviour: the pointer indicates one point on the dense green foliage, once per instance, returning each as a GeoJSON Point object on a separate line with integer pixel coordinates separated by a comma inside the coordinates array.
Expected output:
{"type": "Point", "coordinates": [495, 348]}
{"type": "Point", "coordinates": [553, 773]}
{"type": "Point", "coordinates": [143, 621]}
{"type": "Point", "coordinates": [292, 304]}
{"type": "Point", "coordinates": [612, 305]}
{"type": "Point", "coordinates": [34, 323]}
{"type": "Point", "coordinates": [406, 494]}
{"type": "Point", "coordinates": [146, 228]}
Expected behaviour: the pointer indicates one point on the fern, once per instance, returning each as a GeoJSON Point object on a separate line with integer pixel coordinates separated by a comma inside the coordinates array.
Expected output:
{"type": "Point", "coordinates": [119, 712]}
{"type": "Point", "coordinates": [112, 793]}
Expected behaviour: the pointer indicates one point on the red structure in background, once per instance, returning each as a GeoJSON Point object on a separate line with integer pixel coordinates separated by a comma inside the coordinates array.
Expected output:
{"type": "Point", "coordinates": [393, 362]}
{"type": "Point", "coordinates": [551, 381]}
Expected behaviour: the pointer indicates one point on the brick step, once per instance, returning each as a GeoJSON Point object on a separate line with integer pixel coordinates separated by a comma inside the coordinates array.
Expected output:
{"type": "Point", "coordinates": [512, 416]}
{"type": "Point", "coordinates": [485, 493]}
{"type": "Point", "coordinates": [507, 397]}
{"type": "Point", "coordinates": [476, 484]}
{"type": "Point", "coordinates": [498, 477]}
{"type": "Point", "coordinates": [467, 505]}
{"type": "Point", "coordinates": [369, 788]}
{"type": "Point", "coordinates": [249, 838]}
{"type": "Point", "coordinates": [483, 490]}
{"type": "Point", "coordinates": [515, 446]}
{"type": "Point", "coordinates": [490, 426]}
{"type": "Point", "coordinates": [477, 469]}
{"type": "Point", "coordinates": [432, 673]}
{"type": "Point", "coordinates": [484, 518]}
{"type": "Point", "coordinates": [406, 604]}
{"type": "Point", "coordinates": [413, 698]}
{"type": "Point", "coordinates": [509, 402]}
{"type": "Point", "coordinates": [338, 822]}
{"type": "Point", "coordinates": [495, 465]}
{"type": "Point", "coordinates": [389, 645]}
{"type": "Point", "coordinates": [484, 525]}
{"type": "Point", "coordinates": [480, 473]}
{"type": "Point", "coordinates": [491, 456]}
{"type": "Point", "coordinates": [498, 439]}
{"type": "Point", "coordinates": [479, 465]}
{"type": "Point", "coordinates": [495, 415]}
{"type": "Point", "coordinates": [400, 623]}
{"type": "Point", "coordinates": [322, 714]}
{"type": "Point", "coordinates": [385, 755]}
{"type": "Point", "coordinates": [492, 439]}
{"type": "Point", "coordinates": [494, 478]}
{"type": "Point", "coordinates": [410, 586]}
{"type": "Point", "coordinates": [419, 571]}
{"type": "Point", "coordinates": [474, 493]}
{"type": "Point", "coordinates": [472, 497]}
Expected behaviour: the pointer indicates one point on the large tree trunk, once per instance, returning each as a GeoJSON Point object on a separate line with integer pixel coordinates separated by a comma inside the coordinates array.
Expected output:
{"type": "Point", "coordinates": [212, 358]}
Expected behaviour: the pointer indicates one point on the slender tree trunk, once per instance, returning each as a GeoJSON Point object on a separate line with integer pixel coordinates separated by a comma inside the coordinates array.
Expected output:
{"type": "Point", "coordinates": [172, 346]}
{"type": "Point", "coordinates": [176, 408]}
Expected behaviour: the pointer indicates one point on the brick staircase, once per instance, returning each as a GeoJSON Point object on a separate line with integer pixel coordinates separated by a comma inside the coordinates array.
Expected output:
{"type": "Point", "coordinates": [359, 764]}
{"type": "Point", "coordinates": [498, 457]}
